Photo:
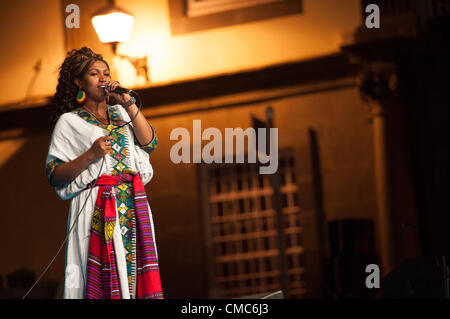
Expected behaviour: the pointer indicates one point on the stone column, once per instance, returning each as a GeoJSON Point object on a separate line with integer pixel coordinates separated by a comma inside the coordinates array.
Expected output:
{"type": "Point", "coordinates": [378, 81]}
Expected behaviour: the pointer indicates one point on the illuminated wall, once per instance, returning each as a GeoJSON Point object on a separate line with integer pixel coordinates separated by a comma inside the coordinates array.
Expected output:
{"type": "Point", "coordinates": [33, 32]}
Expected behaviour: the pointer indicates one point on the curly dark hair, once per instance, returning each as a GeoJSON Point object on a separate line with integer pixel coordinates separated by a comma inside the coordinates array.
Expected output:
{"type": "Point", "coordinates": [75, 65]}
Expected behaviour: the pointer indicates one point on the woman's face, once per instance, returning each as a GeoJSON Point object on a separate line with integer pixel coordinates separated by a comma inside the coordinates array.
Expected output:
{"type": "Point", "coordinates": [97, 75]}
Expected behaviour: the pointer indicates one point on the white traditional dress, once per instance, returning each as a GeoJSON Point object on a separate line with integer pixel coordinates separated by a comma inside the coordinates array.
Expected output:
{"type": "Point", "coordinates": [73, 135]}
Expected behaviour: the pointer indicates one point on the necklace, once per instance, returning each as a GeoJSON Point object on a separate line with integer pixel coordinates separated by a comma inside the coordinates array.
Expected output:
{"type": "Point", "coordinates": [101, 120]}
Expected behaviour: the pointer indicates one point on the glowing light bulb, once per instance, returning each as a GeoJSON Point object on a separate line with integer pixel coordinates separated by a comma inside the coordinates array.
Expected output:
{"type": "Point", "coordinates": [112, 25]}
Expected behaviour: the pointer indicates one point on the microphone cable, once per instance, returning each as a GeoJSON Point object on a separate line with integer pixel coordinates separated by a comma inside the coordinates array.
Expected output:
{"type": "Point", "coordinates": [89, 195]}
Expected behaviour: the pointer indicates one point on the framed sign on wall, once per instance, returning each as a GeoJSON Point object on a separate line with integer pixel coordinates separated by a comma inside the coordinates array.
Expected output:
{"type": "Point", "coordinates": [196, 15]}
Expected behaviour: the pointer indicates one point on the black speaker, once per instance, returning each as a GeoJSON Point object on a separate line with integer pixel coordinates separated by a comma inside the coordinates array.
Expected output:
{"type": "Point", "coordinates": [351, 243]}
{"type": "Point", "coordinates": [351, 237]}
{"type": "Point", "coordinates": [424, 278]}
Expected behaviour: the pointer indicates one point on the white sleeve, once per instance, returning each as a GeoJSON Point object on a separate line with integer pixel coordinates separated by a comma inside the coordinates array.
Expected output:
{"type": "Point", "coordinates": [68, 141]}
{"type": "Point", "coordinates": [71, 189]}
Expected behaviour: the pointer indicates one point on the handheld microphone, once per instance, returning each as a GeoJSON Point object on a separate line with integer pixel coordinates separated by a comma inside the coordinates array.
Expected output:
{"type": "Point", "coordinates": [118, 89]}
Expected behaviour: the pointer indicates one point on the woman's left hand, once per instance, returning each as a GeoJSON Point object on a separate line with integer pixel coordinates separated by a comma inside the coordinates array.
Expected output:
{"type": "Point", "coordinates": [121, 98]}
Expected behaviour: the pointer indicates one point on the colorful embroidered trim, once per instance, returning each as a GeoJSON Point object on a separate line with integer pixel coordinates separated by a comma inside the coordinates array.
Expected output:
{"type": "Point", "coordinates": [150, 147]}
{"type": "Point", "coordinates": [50, 168]}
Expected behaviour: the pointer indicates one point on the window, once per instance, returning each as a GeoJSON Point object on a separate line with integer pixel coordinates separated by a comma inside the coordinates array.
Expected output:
{"type": "Point", "coordinates": [243, 235]}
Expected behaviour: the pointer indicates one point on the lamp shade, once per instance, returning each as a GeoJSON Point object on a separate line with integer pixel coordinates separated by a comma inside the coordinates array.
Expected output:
{"type": "Point", "coordinates": [112, 24]}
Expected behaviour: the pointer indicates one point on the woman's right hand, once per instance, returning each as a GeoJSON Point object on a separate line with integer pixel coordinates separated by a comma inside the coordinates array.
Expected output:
{"type": "Point", "coordinates": [101, 147]}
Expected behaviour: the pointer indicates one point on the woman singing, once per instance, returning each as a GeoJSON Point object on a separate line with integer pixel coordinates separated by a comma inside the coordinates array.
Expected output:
{"type": "Point", "coordinates": [111, 250]}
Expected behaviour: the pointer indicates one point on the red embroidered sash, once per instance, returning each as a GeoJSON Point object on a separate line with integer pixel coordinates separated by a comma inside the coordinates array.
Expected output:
{"type": "Point", "coordinates": [102, 276]}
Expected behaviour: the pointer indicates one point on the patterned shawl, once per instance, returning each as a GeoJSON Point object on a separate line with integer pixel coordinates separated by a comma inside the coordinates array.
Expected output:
{"type": "Point", "coordinates": [102, 278]}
